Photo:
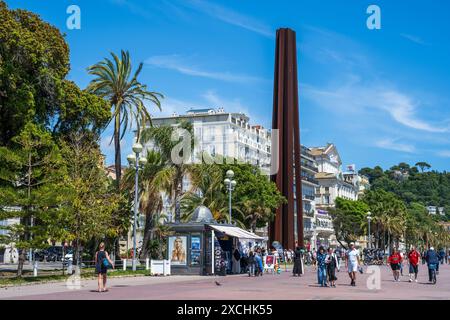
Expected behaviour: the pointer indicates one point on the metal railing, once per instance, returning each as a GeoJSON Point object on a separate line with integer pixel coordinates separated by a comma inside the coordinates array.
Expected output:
{"type": "Point", "coordinates": [312, 180]}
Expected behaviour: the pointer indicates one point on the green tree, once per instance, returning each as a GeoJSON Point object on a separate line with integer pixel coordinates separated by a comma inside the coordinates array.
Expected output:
{"type": "Point", "coordinates": [34, 58]}
{"type": "Point", "coordinates": [167, 140]}
{"type": "Point", "coordinates": [32, 179]}
{"type": "Point", "coordinates": [89, 206]}
{"type": "Point", "coordinates": [423, 166]}
{"type": "Point", "coordinates": [113, 82]}
{"type": "Point", "coordinates": [389, 216]}
{"type": "Point", "coordinates": [349, 219]}
{"type": "Point", "coordinates": [152, 181]}
{"type": "Point", "coordinates": [207, 190]}
{"type": "Point", "coordinates": [34, 62]}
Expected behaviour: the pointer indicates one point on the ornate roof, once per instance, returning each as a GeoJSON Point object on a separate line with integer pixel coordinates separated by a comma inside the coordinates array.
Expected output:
{"type": "Point", "coordinates": [202, 214]}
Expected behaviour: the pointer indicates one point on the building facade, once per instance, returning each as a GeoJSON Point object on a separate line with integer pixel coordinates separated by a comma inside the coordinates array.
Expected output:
{"type": "Point", "coordinates": [332, 183]}
{"type": "Point", "coordinates": [230, 135]}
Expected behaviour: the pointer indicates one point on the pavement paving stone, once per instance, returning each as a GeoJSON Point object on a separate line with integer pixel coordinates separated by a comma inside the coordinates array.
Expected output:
{"type": "Point", "coordinates": [242, 287]}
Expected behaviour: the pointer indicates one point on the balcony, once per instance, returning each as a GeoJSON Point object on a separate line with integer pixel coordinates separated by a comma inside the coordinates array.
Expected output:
{"type": "Point", "coordinates": [312, 180]}
{"type": "Point", "coordinates": [310, 167]}
{"type": "Point", "coordinates": [308, 197]}
{"type": "Point", "coordinates": [308, 213]}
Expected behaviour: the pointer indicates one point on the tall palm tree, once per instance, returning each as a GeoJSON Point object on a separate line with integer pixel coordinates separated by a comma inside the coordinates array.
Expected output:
{"type": "Point", "coordinates": [253, 212]}
{"type": "Point", "coordinates": [161, 137]}
{"type": "Point", "coordinates": [153, 180]}
{"type": "Point", "coordinates": [161, 231]}
{"type": "Point", "coordinates": [113, 81]}
{"type": "Point", "coordinates": [206, 189]}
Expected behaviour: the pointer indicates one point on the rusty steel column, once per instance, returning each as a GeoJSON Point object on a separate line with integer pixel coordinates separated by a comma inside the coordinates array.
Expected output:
{"type": "Point", "coordinates": [286, 121]}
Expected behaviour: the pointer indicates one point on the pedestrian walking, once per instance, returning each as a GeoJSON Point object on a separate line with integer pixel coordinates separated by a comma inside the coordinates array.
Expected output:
{"type": "Point", "coordinates": [401, 263]}
{"type": "Point", "coordinates": [298, 262]}
{"type": "Point", "coordinates": [424, 256]}
{"type": "Point", "coordinates": [251, 264]}
{"type": "Point", "coordinates": [441, 255]}
{"type": "Point", "coordinates": [413, 257]}
{"type": "Point", "coordinates": [259, 263]}
{"type": "Point", "coordinates": [102, 263]}
{"type": "Point", "coordinates": [395, 261]}
{"type": "Point", "coordinates": [332, 264]}
{"type": "Point", "coordinates": [352, 261]}
{"type": "Point", "coordinates": [321, 267]}
{"type": "Point", "coordinates": [236, 257]}
{"type": "Point", "coordinates": [338, 253]}
{"type": "Point", "coordinates": [432, 259]}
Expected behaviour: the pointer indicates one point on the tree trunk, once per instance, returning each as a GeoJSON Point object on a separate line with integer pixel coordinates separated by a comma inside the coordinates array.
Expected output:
{"type": "Point", "coordinates": [389, 242]}
{"type": "Point", "coordinates": [76, 255]}
{"type": "Point", "coordinates": [117, 157]}
{"type": "Point", "coordinates": [147, 236]}
{"type": "Point", "coordinates": [117, 248]}
{"type": "Point", "coordinates": [337, 239]}
{"type": "Point", "coordinates": [21, 262]}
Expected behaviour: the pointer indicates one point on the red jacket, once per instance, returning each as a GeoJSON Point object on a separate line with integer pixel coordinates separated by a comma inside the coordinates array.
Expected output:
{"type": "Point", "coordinates": [395, 258]}
{"type": "Point", "coordinates": [413, 257]}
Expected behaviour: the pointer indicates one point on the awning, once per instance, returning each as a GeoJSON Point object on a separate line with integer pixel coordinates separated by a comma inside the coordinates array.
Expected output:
{"type": "Point", "coordinates": [236, 232]}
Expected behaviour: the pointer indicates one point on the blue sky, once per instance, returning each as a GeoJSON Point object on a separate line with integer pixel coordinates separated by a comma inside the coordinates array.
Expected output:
{"type": "Point", "coordinates": [382, 96]}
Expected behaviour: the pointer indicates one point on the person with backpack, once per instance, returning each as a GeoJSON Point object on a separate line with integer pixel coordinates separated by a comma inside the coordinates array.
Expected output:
{"type": "Point", "coordinates": [102, 263]}
{"type": "Point", "coordinates": [432, 259]}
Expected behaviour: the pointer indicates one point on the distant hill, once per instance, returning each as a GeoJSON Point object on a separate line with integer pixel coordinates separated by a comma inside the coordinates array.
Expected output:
{"type": "Point", "coordinates": [416, 183]}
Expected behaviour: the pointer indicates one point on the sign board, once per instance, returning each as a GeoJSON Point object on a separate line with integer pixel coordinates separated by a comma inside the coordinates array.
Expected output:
{"type": "Point", "coordinates": [195, 250]}
{"type": "Point", "coordinates": [269, 263]}
{"type": "Point", "coordinates": [178, 250]}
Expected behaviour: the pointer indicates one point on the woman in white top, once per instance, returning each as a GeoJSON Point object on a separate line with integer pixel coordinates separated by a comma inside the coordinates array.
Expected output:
{"type": "Point", "coordinates": [352, 261]}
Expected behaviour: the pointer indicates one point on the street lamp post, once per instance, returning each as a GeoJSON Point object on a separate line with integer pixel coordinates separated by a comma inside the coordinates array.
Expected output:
{"type": "Point", "coordinates": [369, 218]}
{"type": "Point", "coordinates": [135, 161]}
{"type": "Point", "coordinates": [230, 184]}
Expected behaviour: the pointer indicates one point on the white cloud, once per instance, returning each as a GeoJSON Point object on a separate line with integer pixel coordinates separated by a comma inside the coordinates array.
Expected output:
{"type": "Point", "coordinates": [403, 110]}
{"type": "Point", "coordinates": [354, 96]}
{"type": "Point", "coordinates": [172, 105]}
{"type": "Point", "coordinates": [392, 144]}
{"type": "Point", "coordinates": [230, 105]}
{"type": "Point", "coordinates": [182, 65]}
{"type": "Point", "coordinates": [444, 153]}
{"type": "Point", "coordinates": [231, 17]}
{"type": "Point", "coordinates": [414, 39]}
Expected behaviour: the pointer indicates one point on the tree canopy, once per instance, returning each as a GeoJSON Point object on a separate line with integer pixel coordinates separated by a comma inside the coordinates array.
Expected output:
{"type": "Point", "coordinates": [34, 63]}
{"type": "Point", "coordinates": [429, 188]}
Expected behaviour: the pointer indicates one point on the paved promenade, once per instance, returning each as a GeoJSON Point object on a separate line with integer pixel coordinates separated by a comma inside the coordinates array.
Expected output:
{"type": "Point", "coordinates": [238, 287]}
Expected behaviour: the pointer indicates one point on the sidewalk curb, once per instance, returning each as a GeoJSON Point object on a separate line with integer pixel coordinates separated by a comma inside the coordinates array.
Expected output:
{"type": "Point", "coordinates": [5, 287]}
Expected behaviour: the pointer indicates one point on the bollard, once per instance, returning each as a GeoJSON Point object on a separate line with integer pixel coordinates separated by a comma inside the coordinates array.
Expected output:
{"type": "Point", "coordinates": [69, 267]}
{"type": "Point", "coordinates": [147, 264]}
{"type": "Point", "coordinates": [124, 264]}
{"type": "Point", "coordinates": [35, 269]}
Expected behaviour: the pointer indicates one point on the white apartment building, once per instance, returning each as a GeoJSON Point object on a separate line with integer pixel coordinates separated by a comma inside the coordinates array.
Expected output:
{"type": "Point", "coordinates": [309, 184]}
{"type": "Point", "coordinates": [332, 183]}
{"type": "Point", "coordinates": [230, 135]}
{"type": "Point", "coordinates": [433, 210]}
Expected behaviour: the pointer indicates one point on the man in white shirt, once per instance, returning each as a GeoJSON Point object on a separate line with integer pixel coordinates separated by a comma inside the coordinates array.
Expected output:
{"type": "Point", "coordinates": [352, 261]}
